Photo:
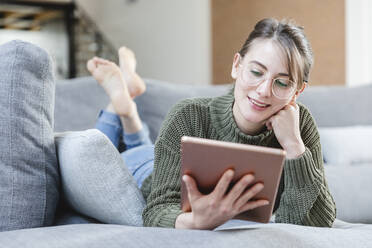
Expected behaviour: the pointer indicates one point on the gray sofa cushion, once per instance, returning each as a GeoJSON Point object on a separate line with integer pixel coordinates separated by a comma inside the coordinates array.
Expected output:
{"type": "Point", "coordinates": [351, 187]}
{"type": "Point", "coordinates": [274, 235]}
{"type": "Point", "coordinates": [338, 105]}
{"type": "Point", "coordinates": [95, 180]}
{"type": "Point", "coordinates": [78, 102]}
{"type": "Point", "coordinates": [29, 177]}
{"type": "Point", "coordinates": [357, 150]}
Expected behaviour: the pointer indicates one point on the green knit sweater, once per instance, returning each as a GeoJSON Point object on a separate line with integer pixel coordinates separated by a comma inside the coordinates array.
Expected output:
{"type": "Point", "coordinates": [303, 197]}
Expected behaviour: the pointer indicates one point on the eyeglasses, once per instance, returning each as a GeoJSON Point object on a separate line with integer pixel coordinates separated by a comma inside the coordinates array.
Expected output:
{"type": "Point", "coordinates": [253, 75]}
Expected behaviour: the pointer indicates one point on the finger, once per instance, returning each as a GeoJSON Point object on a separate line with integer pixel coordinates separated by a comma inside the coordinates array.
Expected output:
{"type": "Point", "coordinates": [272, 120]}
{"type": "Point", "coordinates": [291, 106]}
{"type": "Point", "coordinates": [295, 105]}
{"type": "Point", "coordinates": [192, 189]}
{"type": "Point", "coordinates": [253, 204]}
{"type": "Point", "coordinates": [249, 194]}
{"type": "Point", "coordinates": [224, 182]}
{"type": "Point", "coordinates": [269, 123]}
{"type": "Point", "coordinates": [239, 188]}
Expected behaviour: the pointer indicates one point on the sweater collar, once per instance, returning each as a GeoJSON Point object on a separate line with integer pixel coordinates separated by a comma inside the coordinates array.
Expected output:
{"type": "Point", "coordinates": [223, 121]}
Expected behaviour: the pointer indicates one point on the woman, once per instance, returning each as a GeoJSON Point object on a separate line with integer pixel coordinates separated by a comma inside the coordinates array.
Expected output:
{"type": "Point", "coordinates": [270, 71]}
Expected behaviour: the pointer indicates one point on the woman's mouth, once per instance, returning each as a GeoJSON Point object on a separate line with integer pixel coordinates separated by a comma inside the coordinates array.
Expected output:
{"type": "Point", "coordinates": [258, 105]}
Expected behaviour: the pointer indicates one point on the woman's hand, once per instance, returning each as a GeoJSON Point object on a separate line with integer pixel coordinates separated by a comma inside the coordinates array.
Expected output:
{"type": "Point", "coordinates": [214, 209]}
{"type": "Point", "coordinates": [287, 129]}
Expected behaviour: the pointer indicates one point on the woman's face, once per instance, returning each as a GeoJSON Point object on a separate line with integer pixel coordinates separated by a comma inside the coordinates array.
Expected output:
{"type": "Point", "coordinates": [255, 104]}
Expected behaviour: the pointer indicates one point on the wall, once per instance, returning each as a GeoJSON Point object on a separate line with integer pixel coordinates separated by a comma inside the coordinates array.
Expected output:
{"type": "Point", "coordinates": [171, 38]}
{"type": "Point", "coordinates": [358, 42]}
{"type": "Point", "coordinates": [52, 37]}
{"type": "Point", "coordinates": [324, 22]}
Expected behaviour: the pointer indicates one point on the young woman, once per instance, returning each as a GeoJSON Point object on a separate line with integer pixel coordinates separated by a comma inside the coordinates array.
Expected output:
{"type": "Point", "coordinates": [270, 71]}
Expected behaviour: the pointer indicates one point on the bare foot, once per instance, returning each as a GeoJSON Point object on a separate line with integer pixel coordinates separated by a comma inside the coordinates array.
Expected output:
{"type": "Point", "coordinates": [127, 62]}
{"type": "Point", "coordinates": [109, 76]}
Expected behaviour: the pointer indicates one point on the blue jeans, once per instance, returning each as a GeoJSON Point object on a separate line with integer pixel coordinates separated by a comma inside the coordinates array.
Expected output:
{"type": "Point", "coordinates": [139, 153]}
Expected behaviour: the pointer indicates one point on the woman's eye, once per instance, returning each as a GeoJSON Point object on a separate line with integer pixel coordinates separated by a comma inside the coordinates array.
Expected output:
{"type": "Point", "coordinates": [256, 73]}
{"type": "Point", "coordinates": [281, 83]}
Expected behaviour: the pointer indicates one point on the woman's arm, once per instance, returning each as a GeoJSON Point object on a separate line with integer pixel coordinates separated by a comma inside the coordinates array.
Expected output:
{"type": "Point", "coordinates": [306, 199]}
{"type": "Point", "coordinates": [163, 203]}
{"type": "Point", "coordinates": [208, 211]}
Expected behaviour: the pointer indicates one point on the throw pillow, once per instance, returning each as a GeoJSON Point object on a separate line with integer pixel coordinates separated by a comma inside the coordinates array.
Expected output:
{"type": "Point", "coordinates": [95, 180]}
{"type": "Point", "coordinates": [29, 178]}
{"type": "Point", "coordinates": [351, 190]}
{"type": "Point", "coordinates": [346, 145]}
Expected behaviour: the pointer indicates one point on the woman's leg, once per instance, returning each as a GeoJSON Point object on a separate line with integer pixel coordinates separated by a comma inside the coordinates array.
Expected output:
{"type": "Point", "coordinates": [127, 62]}
{"type": "Point", "coordinates": [122, 85]}
{"type": "Point", "coordinates": [139, 153]}
{"type": "Point", "coordinates": [110, 124]}
{"type": "Point", "coordinates": [140, 162]}
{"type": "Point", "coordinates": [29, 178]}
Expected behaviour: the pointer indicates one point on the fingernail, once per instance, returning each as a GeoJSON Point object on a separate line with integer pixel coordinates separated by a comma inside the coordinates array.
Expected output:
{"type": "Point", "coordinates": [266, 202]}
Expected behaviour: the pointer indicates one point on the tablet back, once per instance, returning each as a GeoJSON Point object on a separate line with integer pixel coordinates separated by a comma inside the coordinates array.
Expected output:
{"type": "Point", "coordinates": [206, 160]}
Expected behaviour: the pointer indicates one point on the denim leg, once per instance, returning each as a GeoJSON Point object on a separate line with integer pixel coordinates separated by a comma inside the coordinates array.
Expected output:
{"type": "Point", "coordinates": [140, 138]}
{"type": "Point", "coordinates": [110, 124]}
{"type": "Point", "coordinates": [140, 162]}
{"type": "Point", "coordinates": [139, 153]}
{"type": "Point", "coordinates": [29, 177]}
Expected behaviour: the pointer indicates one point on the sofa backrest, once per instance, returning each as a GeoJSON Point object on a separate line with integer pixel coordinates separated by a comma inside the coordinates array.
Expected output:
{"type": "Point", "coordinates": [78, 102]}
{"type": "Point", "coordinates": [338, 105]}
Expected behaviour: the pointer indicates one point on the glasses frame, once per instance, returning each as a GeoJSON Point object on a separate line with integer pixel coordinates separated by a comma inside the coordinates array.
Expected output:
{"type": "Point", "coordinates": [271, 82]}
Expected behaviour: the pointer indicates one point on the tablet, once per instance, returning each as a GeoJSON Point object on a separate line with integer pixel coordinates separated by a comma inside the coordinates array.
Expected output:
{"type": "Point", "coordinates": [206, 161]}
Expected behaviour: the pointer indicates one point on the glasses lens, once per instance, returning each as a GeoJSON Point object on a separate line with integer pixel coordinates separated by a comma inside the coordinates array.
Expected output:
{"type": "Point", "coordinates": [252, 74]}
{"type": "Point", "coordinates": [283, 87]}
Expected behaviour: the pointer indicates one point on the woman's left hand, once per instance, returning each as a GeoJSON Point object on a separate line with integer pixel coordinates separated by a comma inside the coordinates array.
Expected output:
{"type": "Point", "coordinates": [285, 124]}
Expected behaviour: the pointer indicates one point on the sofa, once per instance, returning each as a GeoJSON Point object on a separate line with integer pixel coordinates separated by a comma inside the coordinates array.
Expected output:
{"type": "Point", "coordinates": [344, 120]}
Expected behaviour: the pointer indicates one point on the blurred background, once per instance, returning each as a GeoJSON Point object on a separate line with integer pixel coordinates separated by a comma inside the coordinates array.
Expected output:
{"type": "Point", "coordinates": [190, 41]}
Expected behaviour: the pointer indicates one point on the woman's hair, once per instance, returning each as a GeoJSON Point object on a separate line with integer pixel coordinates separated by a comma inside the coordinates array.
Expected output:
{"type": "Point", "coordinates": [291, 38]}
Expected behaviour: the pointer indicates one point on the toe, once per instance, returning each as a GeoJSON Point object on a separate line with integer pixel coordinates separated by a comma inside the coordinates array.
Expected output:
{"type": "Point", "coordinates": [122, 49]}
{"type": "Point", "coordinates": [101, 60]}
{"type": "Point", "coordinates": [91, 65]}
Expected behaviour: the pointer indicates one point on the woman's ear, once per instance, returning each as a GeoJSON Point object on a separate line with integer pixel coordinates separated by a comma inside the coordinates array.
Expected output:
{"type": "Point", "coordinates": [302, 89]}
{"type": "Point", "coordinates": [235, 66]}
{"type": "Point", "coordinates": [298, 92]}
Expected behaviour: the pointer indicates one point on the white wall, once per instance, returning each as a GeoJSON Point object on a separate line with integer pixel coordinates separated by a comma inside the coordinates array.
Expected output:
{"type": "Point", "coordinates": [171, 38]}
{"type": "Point", "coordinates": [52, 38]}
{"type": "Point", "coordinates": [358, 42]}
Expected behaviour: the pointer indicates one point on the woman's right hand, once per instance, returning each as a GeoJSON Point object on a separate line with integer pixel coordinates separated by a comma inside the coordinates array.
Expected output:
{"type": "Point", "coordinates": [214, 209]}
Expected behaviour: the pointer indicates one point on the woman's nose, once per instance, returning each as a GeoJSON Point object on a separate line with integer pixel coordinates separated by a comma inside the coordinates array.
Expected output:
{"type": "Point", "coordinates": [264, 88]}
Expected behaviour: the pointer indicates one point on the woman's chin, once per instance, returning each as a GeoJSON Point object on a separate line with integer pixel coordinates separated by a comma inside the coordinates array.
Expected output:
{"type": "Point", "coordinates": [256, 118]}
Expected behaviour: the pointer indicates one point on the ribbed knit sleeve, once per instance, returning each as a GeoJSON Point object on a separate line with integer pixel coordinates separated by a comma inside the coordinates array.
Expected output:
{"type": "Point", "coordinates": [306, 199]}
{"type": "Point", "coordinates": [163, 202]}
